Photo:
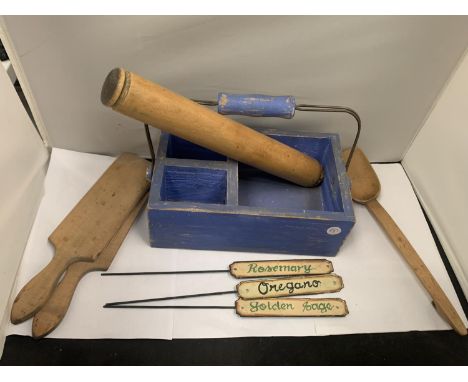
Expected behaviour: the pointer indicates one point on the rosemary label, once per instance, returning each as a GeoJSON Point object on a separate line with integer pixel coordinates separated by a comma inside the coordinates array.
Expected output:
{"type": "Point", "coordinates": [251, 269]}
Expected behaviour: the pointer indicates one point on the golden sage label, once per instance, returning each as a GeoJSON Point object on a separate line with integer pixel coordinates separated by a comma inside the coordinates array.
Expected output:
{"type": "Point", "coordinates": [252, 269]}
{"type": "Point", "coordinates": [289, 286]}
{"type": "Point", "coordinates": [292, 307]}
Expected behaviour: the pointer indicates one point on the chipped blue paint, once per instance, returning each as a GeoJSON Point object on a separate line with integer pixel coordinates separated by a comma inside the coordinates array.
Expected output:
{"type": "Point", "coordinates": [199, 200]}
{"type": "Point", "coordinates": [256, 105]}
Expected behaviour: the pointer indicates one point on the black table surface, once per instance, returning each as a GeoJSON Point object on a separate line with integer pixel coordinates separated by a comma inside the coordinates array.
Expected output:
{"type": "Point", "coordinates": [409, 348]}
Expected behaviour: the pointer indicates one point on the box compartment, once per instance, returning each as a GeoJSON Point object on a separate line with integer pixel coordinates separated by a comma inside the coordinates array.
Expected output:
{"type": "Point", "coordinates": [182, 149]}
{"type": "Point", "coordinates": [193, 184]}
{"type": "Point", "coordinates": [202, 200]}
{"type": "Point", "coordinates": [259, 189]}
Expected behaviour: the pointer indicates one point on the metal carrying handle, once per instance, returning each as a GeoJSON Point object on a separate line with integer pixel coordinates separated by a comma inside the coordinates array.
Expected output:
{"type": "Point", "coordinates": [337, 109]}
{"type": "Point", "coordinates": [256, 105]}
{"type": "Point", "coordinates": [260, 105]}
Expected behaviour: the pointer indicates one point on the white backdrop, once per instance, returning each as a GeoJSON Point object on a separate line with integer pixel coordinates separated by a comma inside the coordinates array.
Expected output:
{"type": "Point", "coordinates": [23, 164]}
{"type": "Point", "coordinates": [390, 69]}
{"type": "Point", "coordinates": [437, 166]}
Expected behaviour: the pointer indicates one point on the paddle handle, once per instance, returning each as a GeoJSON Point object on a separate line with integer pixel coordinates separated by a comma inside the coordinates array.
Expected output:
{"type": "Point", "coordinates": [38, 290]}
{"type": "Point", "coordinates": [441, 302]}
{"type": "Point", "coordinates": [53, 312]}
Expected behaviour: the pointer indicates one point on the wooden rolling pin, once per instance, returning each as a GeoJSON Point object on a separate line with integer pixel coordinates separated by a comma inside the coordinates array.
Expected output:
{"type": "Point", "coordinates": [136, 97]}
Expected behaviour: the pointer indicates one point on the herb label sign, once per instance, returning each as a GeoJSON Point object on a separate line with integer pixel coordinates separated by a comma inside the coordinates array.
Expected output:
{"type": "Point", "coordinates": [292, 307]}
{"type": "Point", "coordinates": [252, 269]}
{"type": "Point", "coordinates": [269, 297]}
{"type": "Point", "coordinates": [289, 286]}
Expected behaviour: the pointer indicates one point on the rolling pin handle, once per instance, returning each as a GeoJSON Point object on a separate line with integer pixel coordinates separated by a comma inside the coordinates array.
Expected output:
{"type": "Point", "coordinates": [256, 105]}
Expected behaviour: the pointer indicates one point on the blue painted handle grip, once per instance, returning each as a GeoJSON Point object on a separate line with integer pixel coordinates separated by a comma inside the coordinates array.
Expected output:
{"type": "Point", "coordinates": [256, 105]}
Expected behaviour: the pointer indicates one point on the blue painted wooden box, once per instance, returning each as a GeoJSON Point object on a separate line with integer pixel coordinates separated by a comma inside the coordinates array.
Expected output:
{"type": "Point", "coordinates": [202, 200]}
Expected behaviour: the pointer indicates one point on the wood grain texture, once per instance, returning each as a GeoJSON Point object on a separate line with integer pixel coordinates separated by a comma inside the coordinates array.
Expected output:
{"type": "Point", "coordinates": [191, 184]}
{"type": "Point", "coordinates": [252, 269]}
{"type": "Point", "coordinates": [292, 307]}
{"type": "Point", "coordinates": [440, 299]}
{"type": "Point", "coordinates": [289, 286]}
{"type": "Point", "coordinates": [56, 307]}
{"type": "Point", "coordinates": [260, 213]}
{"type": "Point", "coordinates": [87, 229]}
{"type": "Point", "coordinates": [365, 184]}
{"type": "Point", "coordinates": [157, 106]}
{"type": "Point", "coordinates": [191, 227]}
{"type": "Point", "coordinates": [365, 187]}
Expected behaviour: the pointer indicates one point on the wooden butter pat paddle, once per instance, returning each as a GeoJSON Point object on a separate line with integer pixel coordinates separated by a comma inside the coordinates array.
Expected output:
{"type": "Point", "coordinates": [54, 310]}
{"type": "Point", "coordinates": [365, 188]}
{"type": "Point", "coordinates": [87, 229]}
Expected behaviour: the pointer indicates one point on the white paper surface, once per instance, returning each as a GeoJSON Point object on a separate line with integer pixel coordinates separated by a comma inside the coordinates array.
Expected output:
{"type": "Point", "coordinates": [382, 293]}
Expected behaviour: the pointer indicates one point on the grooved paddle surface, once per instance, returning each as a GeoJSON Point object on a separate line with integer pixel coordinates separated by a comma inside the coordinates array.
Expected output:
{"type": "Point", "coordinates": [88, 228]}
